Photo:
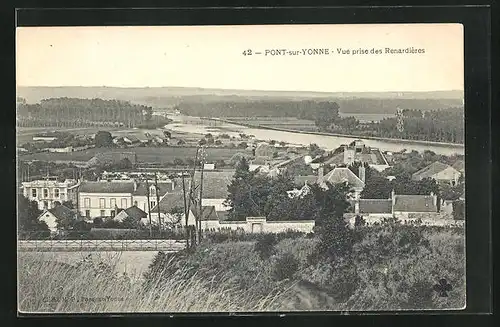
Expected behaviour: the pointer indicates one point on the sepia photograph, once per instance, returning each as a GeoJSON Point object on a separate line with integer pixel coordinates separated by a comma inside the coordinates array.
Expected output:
{"type": "Point", "coordinates": [240, 168]}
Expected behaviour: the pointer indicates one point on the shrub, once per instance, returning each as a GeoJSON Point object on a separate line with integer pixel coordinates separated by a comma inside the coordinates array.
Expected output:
{"type": "Point", "coordinates": [359, 221]}
{"type": "Point", "coordinates": [336, 238]}
{"type": "Point", "coordinates": [459, 210]}
{"type": "Point", "coordinates": [265, 245]}
{"type": "Point", "coordinates": [285, 267]}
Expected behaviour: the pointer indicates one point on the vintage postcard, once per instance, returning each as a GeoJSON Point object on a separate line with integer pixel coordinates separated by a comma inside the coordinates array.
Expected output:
{"type": "Point", "coordinates": [227, 169]}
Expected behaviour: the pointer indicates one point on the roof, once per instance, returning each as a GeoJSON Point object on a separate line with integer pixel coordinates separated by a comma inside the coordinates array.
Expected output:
{"type": "Point", "coordinates": [260, 160]}
{"type": "Point", "coordinates": [431, 170]}
{"type": "Point", "coordinates": [163, 187]}
{"type": "Point", "coordinates": [208, 213]}
{"type": "Point", "coordinates": [131, 138]}
{"type": "Point", "coordinates": [61, 211]}
{"type": "Point", "coordinates": [215, 183]}
{"type": "Point", "coordinates": [106, 187]}
{"type": "Point", "coordinates": [459, 165]}
{"type": "Point", "coordinates": [291, 160]}
{"type": "Point", "coordinates": [135, 212]}
{"type": "Point", "coordinates": [340, 175]}
{"type": "Point", "coordinates": [170, 201]}
{"type": "Point", "coordinates": [375, 206]}
{"type": "Point", "coordinates": [223, 215]}
{"type": "Point", "coordinates": [337, 159]}
{"type": "Point", "coordinates": [414, 203]}
{"type": "Point", "coordinates": [264, 149]}
{"type": "Point", "coordinates": [143, 137]}
{"type": "Point", "coordinates": [110, 158]}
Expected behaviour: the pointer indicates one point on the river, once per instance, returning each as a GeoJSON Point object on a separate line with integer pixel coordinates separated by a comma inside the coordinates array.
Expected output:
{"type": "Point", "coordinates": [196, 125]}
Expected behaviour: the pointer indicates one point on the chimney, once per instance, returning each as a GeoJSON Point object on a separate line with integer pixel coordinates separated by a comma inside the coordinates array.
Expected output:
{"type": "Point", "coordinates": [362, 173]}
{"type": "Point", "coordinates": [321, 172]}
{"type": "Point", "coordinates": [434, 199]}
{"type": "Point", "coordinates": [135, 185]}
{"type": "Point", "coordinates": [356, 206]}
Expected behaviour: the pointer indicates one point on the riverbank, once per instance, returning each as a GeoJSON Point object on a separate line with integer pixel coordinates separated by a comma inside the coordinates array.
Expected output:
{"type": "Point", "coordinates": [375, 138]}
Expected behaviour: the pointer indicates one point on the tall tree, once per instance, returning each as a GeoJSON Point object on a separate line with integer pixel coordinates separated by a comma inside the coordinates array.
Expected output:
{"type": "Point", "coordinates": [248, 193]}
{"type": "Point", "coordinates": [103, 139]}
{"type": "Point", "coordinates": [27, 217]}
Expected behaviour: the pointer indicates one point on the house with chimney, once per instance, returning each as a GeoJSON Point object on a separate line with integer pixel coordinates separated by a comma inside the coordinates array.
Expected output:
{"type": "Point", "coordinates": [343, 175]}
{"type": "Point", "coordinates": [104, 199]}
{"type": "Point", "coordinates": [215, 187]}
{"type": "Point", "coordinates": [405, 207]}
{"type": "Point", "coordinates": [356, 151]}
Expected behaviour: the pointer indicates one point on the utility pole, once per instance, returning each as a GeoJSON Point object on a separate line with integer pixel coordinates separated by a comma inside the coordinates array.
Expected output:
{"type": "Point", "coordinates": [158, 201]}
{"type": "Point", "coordinates": [191, 190]}
{"type": "Point", "coordinates": [185, 210]}
{"type": "Point", "coordinates": [149, 209]}
{"type": "Point", "coordinates": [203, 157]}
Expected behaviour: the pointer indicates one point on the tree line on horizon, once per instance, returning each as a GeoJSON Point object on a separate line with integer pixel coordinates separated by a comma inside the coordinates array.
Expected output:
{"type": "Point", "coordinates": [70, 112]}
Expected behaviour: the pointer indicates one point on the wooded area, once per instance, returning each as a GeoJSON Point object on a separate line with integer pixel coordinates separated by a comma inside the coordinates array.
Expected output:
{"type": "Point", "coordinates": [81, 113]}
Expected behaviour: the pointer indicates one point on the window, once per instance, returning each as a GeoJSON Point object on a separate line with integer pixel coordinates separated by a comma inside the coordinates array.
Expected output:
{"type": "Point", "coordinates": [45, 205]}
{"type": "Point", "coordinates": [86, 202]}
{"type": "Point", "coordinates": [112, 203]}
{"type": "Point", "coordinates": [124, 203]}
{"type": "Point", "coordinates": [102, 203]}
{"type": "Point", "coordinates": [45, 192]}
{"type": "Point", "coordinates": [153, 203]}
{"type": "Point", "coordinates": [152, 190]}
{"type": "Point", "coordinates": [112, 213]}
{"type": "Point", "coordinates": [135, 203]}
{"type": "Point", "coordinates": [33, 192]}
{"type": "Point", "coordinates": [103, 213]}
{"type": "Point", "coordinates": [56, 193]}
{"type": "Point", "coordinates": [87, 213]}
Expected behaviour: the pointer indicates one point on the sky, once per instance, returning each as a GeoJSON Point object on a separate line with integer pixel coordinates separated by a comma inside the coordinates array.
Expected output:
{"type": "Point", "coordinates": [212, 57]}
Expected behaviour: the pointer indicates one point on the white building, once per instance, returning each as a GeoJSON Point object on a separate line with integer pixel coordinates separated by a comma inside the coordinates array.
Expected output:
{"type": "Point", "coordinates": [103, 199]}
{"type": "Point", "coordinates": [50, 216]}
{"type": "Point", "coordinates": [46, 192]}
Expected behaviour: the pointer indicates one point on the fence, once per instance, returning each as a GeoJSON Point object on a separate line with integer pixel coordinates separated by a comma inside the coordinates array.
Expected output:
{"type": "Point", "coordinates": [101, 245]}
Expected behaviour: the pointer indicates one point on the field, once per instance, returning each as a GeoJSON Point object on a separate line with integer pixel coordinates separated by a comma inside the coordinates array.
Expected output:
{"type": "Point", "coordinates": [301, 124]}
{"type": "Point", "coordinates": [144, 154]}
{"type": "Point", "coordinates": [277, 122]}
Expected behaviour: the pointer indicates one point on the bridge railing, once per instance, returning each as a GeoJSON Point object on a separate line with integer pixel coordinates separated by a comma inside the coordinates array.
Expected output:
{"type": "Point", "coordinates": [102, 245]}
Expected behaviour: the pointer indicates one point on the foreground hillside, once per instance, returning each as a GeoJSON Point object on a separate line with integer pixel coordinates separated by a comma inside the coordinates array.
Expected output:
{"type": "Point", "coordinates": [389, 267]}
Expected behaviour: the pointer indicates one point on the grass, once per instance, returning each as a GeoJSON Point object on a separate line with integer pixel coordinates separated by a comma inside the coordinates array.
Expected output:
{"type": "Point", "coordinates": [144, 154]}
{"type": "Point", "coordinates": [52, 287]}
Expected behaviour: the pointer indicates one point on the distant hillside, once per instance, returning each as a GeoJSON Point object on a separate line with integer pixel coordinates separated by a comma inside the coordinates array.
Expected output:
{"type": "Point", "coordinates": [170, 96]}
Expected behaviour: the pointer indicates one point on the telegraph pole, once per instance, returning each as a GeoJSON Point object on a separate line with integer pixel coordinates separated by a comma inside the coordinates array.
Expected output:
{"type": "Point", "coordinates": [203, 157]}
{"type": "Point", "coordinates": [185, 210]}
{"type": "Point", "coordinates": [158, 201]}
{"type": "Point", "coordinates": [149, 209]}
{"type": "Point", "coordinates": [191, 189]}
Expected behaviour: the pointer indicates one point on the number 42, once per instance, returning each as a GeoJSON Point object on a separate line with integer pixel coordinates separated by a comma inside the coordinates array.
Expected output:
{"type": "Point", "coordinates": [247, 52]}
